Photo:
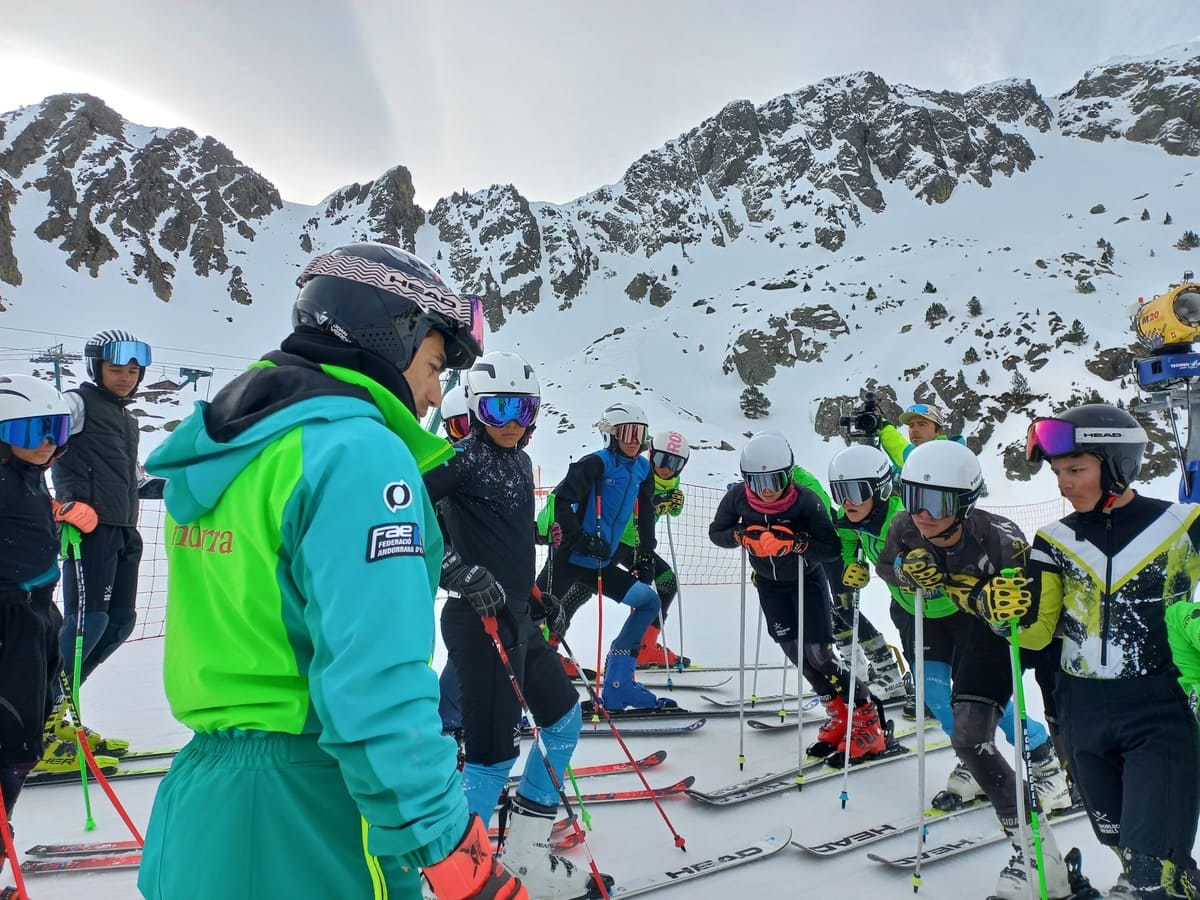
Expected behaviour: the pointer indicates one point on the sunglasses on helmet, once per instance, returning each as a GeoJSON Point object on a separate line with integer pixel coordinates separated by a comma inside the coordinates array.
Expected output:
{"type": "Point", "coordinates": [458, 426]}
{"type": "Point", "coordinates": [500, 409]}
{"type": "Point", "coordinates": [938, 502]}
{"type": "Point", "coordinates": [664, 460]}
{"type": "Point", "coordinates": [761, 482]}
{"type": "Point", "coordinates": [856, 491]}
{"type": "Point", "coordinates": [31, 433]}
{"type": "Point", "coordinates": [121, 353]}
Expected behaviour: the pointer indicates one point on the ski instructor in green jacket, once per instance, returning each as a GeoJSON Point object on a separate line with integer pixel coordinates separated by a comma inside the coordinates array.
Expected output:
{"type": "Point", "coordinates": [303, 559]}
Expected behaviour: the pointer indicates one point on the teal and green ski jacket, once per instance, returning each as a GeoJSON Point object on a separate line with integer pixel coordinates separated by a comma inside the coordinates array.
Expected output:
{"type": "Point", "coordinates": [304, 557]}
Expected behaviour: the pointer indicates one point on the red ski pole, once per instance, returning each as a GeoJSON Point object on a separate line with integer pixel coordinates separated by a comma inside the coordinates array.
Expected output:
{"type": "Point", "coordinates": [489, 625]}
{"type": "Point", "coordinates": [11, 852]}
{"type": "Point", "coordinates": [599, 611]}
{"type": "Point", "coordinates": [597, 705]}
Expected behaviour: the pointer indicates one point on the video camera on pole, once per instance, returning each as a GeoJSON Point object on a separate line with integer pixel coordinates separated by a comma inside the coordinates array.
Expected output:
{"type": "Point", "coordinates": [862, 425]}
{"type": "Point", "coordinates": [1169, 324]}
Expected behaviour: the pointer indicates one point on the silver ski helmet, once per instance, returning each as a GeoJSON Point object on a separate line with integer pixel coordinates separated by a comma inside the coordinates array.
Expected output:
{"type": "Point", "coordinates": [766, 462]}
{"type": "Point", "coordinates": [942, 477]}
{"type": "Point", "coordinates": [387, 300]}
{"type": "Point", "coordinates": [623, 422]}
{"type": "Point", "coordinates": [1108, 432]}
{"type": "Point", "coordinates": [670, 450]}
{"type": "Point", "coordinates": [118, 347]}
{"type": "Point", "coordinates": [860, 472]}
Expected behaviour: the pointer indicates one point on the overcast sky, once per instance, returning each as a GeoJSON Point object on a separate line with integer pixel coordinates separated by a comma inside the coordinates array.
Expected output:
{"type": "Point", "coordinates": [555, 96]}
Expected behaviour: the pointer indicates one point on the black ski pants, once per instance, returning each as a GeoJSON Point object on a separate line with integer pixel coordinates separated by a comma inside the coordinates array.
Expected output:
{"type": "Point", "coordinates": [110, 556]}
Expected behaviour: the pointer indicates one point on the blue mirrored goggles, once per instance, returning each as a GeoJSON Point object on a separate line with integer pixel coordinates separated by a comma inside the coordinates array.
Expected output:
{"type": "Point", "coordinates": [122, 353]}
{"type": "Point", "coordinates": [760, 482]}
{"type": "Point", "coordinates": [938, 502]}
{"type": "Point", "coordinates": [31, 433]}
{"type": "Point", "coordinates": [500, 409]}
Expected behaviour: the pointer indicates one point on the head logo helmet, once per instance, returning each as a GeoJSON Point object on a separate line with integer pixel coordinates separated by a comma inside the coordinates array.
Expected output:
{"type": "Point", "coordinates": [622, 418]}
{"type": "Point", "coordinates": [386, 301]}
{"type": "Point", "coordinates": [942, 477]}
{"type": "Point", "coordinates": [860, 472]}
{"type": "Point", "coordinates": [1108, 432]}
{"type": "Point", "coordinates": [118, 347]}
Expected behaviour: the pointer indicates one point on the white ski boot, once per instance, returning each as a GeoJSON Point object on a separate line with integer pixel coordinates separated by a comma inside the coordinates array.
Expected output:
{"type": "Point", "coordinates": [961, 790]}
{"type": "Point", "coordinates": [886, 681]}
{"type": "Point", "coordinates": [528, 854]}
{"type": "Point", "coordinates": [1019, 880]}
{"type": "Point", "coordinates": [1049, 779]}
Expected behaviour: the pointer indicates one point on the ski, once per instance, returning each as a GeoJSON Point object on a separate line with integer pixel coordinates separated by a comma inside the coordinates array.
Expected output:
{"type": "Point", "coordinates": [735, 855]}
{"type": "Point", "coordinates": [646, 762]}
{"type": "Point", "coordinates": [679, 787]}
{"type": "Point", "coordinates": [120, 773]}
{"type": "Point", "coordinates": [148, 754]}
{"type": "Point", "coordinates": [666, 712]}
{"type": "Point", "coordinates": [870, 835]}
{"type": "Point", "coordinates": [938, 852]}
{"type": "Point", "coordinates": [656, 678]}
{"type": "Point", "coordinates": [84, 848]}
{"type": "Point", "coordinates": [751, 702]}
{"type": "Point", "coordinates": [55, 865]}
{"type": "Point", "coordinates": [648, 731]}
{"type": "Point", "coordinates": [778, 782]}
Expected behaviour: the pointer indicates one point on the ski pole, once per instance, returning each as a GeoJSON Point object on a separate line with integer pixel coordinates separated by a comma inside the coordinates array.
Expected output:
{"type": "Point", "coordinates": [599, 612]}
{"type": "Point", "coordinates": [845, 797]}
{"type": "Point", "coordinates": [919, 677]}
{"type": "Point", "coordinates": [490, 626]}
{"type": "Point", "coordinates": [800, 669]}
{"type": "Point", "coordinates": [10, 851]}
{"type": "Point", "coordinates": [70, 536]}
{"type": "Point", "coordinates": [1022, 764]}
{"type": "Point", "coordinates": [596, 704]}
{"type": "Point", "coordinates": [678, 594]}
{"type": "Point", "coordinates": [742, 672]}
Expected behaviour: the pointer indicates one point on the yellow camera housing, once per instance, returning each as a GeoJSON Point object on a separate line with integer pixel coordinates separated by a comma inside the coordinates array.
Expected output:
{"type": "Point", "coordinates": [1172, 319]}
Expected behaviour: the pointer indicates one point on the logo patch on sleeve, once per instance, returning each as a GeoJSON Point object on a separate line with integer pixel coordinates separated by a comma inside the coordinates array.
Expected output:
{"type": "Point", "coordinates": [397, 495]}
{"type": "Point", "coordinates": [394, 539]}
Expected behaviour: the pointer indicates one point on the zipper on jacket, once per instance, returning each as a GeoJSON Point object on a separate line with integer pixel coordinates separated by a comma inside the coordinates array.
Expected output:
{"type": "Point", "coordinates": [1106, 602]}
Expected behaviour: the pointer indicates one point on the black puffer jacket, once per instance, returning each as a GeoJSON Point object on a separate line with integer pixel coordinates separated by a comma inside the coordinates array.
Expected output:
{"type": "Point", "coordinates": [806, 515]}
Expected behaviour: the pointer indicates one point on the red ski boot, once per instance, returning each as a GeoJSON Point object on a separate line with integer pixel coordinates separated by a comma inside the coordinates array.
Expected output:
{"type": "Point", "coordinates": [866, 734]}
{"type": "Point", "coordinates": [833, 731]}
{"type": "Point", "coordinates": [654, 655]}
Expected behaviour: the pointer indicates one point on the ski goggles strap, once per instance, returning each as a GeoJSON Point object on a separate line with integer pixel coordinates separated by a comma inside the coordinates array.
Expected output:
{"type": "Point", "coordinates": [858, 490]}
{"type": "Point", "coordinates": [759, 482]}
{"type": "Point", "coordinates": [31, 433]}
{"type": "Point", "coordinates": [477, 328]}
{"type": "Point", "coordinates": [121, 353]}
{"type": "Point", "coordinates": [940, 503]}
{"type": "Point", "coordinates": [500, 409]}
{"type": "Point", "coordinates": [665, 460]}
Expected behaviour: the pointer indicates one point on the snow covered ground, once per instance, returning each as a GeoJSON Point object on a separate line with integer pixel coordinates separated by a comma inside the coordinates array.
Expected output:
{"type": "Point", "coordinates": [125, 698]}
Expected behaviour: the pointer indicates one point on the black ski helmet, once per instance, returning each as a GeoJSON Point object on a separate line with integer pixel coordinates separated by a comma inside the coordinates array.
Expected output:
{"type": "Point", "coordinates": [1107, 432]}
{"type": "Point", "coordinates": [386, 301]}
{"type": "Point", "coordinates": [101, 345]}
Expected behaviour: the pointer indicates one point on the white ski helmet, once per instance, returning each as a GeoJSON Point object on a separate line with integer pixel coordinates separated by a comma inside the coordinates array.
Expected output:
{"type": "Point", "coordinates": [619, 417]}
{"type": "Point", "coordinates": [456, 416]}
{"type": "Point", "coordinates": [859, 472]}
{"type": "Point", "coordinates": [32, 410]}
{"type": "Point", "coordinates": [670, 449]}
{"type": "Point", "coordinates": [942, 477]}
{"type": "Point", "coordinates": [767, 462]}
{"type": "Point", "coordinates": [502, 388]}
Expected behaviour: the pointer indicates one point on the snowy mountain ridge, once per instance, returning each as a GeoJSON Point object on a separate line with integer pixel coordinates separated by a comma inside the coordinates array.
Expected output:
{"type": "Point", "coordinates": [977, 249]}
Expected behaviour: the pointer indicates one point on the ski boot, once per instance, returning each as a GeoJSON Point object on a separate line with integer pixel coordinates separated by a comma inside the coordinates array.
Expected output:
{"type": "Point", "coordinates": [1049, 780]}
{"type": "Point", "coordinates": [887, 681]}
{"type": "Point", "coordinates": [528, 854]}
{"type": "Point", "coordinates": [1081, 887]}
{"type": "Point", "coordinates": [862, 667]}
{"type": "Point", "coordinates": [833, 729]}
{"type": "Point", "coordinates": [569, 668]}
{"type": "Point", "coordinates": [961, 790]}
{"type": "Point", "coordinates": [1019, 879]}
{"type": "Point", "coordinates": [621, 691]}
{"type": "Point", "coordinates": [63, 757]}
{"type": "Point", "coordinates": [653, 654]}
{"type": "Point", "coordinates": [65, 730]}
{"type": "Point", "coordinates": [867, 738]}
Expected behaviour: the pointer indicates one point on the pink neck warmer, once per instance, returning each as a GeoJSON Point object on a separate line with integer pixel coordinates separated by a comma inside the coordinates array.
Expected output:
{"type": "Point", "coordinates": [786, 499]}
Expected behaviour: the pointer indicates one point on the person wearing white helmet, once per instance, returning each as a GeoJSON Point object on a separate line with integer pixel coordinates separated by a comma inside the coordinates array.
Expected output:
{"type": "Point", "coordinates": [1116, 579]}
{"type": "Point", "coordinates": [35, 423]}
{"type": "Point", "coordinates": [669, 452]}
{"type": "Point", "coordinates": [783, 527]}
{"type": "Point", "coordinates": [485, 502]}
{"type": "Point", "coordinates": [592, 506]}
{"type": "Point", "coordinates": [456, 417]}
{"type": "Point", "coordinates": [941, 544]}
